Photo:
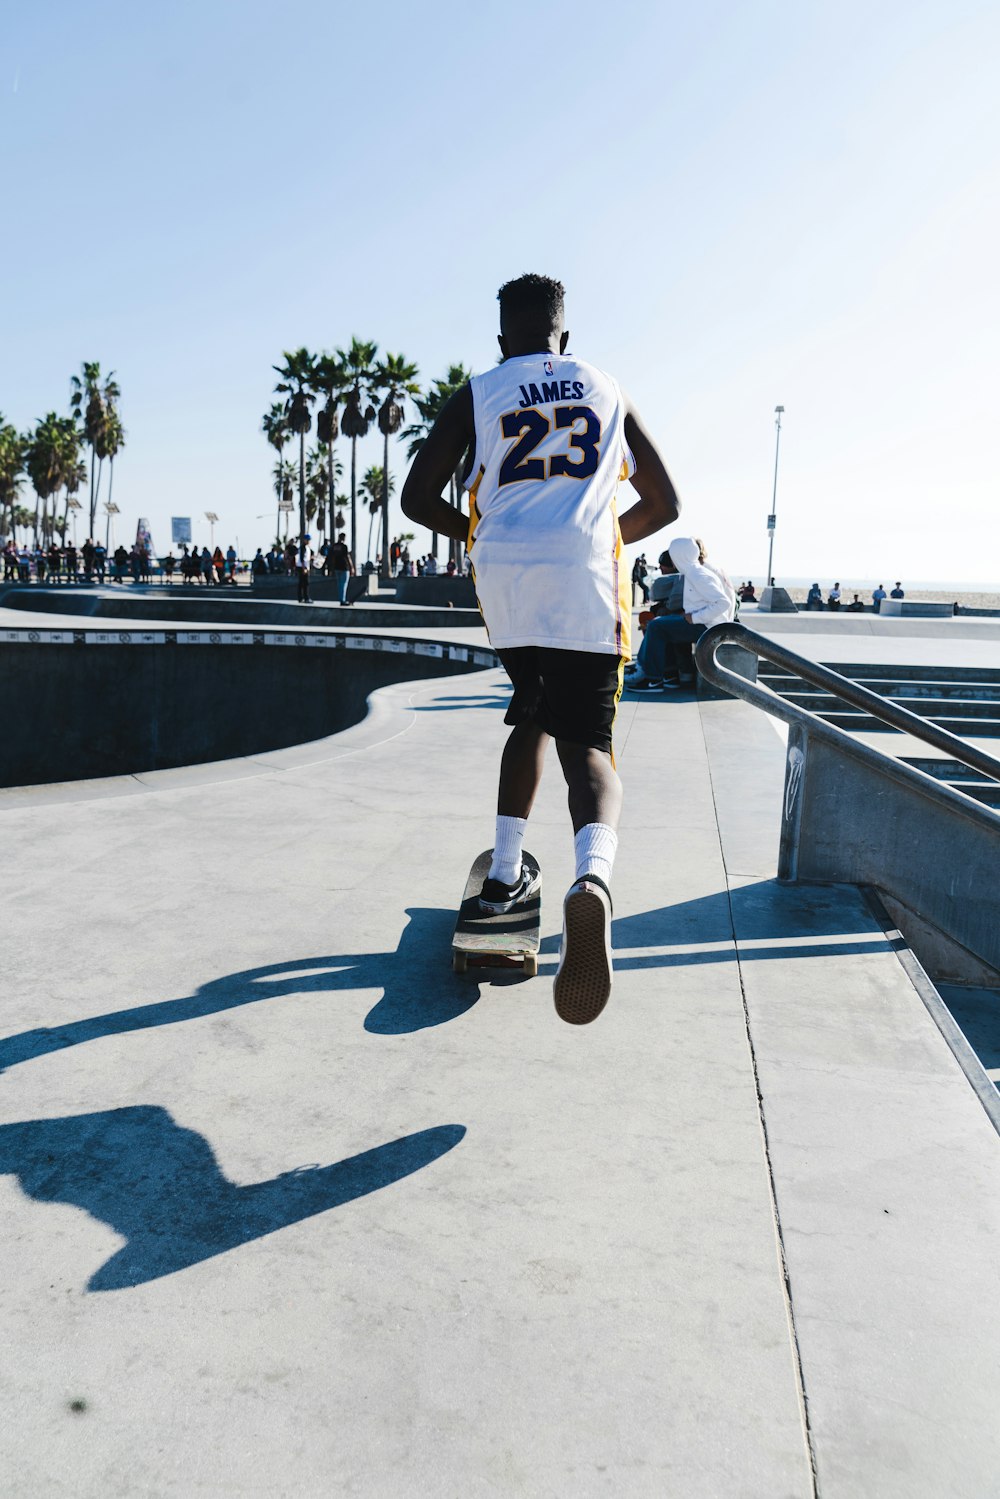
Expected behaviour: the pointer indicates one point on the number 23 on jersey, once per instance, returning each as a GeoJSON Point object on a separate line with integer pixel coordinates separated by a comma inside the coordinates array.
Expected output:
{"type": "Point", "coordinates": [530, 427]}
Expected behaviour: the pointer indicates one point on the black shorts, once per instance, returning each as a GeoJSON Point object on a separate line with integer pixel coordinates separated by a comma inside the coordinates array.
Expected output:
{"type": "Point", "coordinates": [572, 695]}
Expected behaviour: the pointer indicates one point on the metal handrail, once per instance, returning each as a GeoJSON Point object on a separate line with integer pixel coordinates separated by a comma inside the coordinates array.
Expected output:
{"type": "Point", "coordinates": [859, 697]}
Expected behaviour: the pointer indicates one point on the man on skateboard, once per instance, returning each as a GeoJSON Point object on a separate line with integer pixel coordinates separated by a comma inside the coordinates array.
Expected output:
{"type": "Point", "coordinates": [550, 439]}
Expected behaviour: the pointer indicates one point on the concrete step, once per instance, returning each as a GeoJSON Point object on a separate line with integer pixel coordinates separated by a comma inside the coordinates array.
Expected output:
{"type": "Point", "coordinates": [868, 673]}
{"type": "Point", "coordinates": [968, 709]}
{"type": "Point", "coordinates": [955, 774]}
{"type": "Point", "coordinates": [896, 687]}
{"type": "Point", "coordinates": [896, 690]}
{"type": "Point", "coordinates": [844, 718]}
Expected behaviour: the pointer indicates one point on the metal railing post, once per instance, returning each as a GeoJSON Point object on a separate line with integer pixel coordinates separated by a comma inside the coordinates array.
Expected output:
{"type": "Point", "coordinates": [791, 802]}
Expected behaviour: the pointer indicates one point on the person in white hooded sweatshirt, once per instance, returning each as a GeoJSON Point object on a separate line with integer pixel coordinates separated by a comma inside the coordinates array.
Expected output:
{"type": "Point", "coordinates": [664, 660]}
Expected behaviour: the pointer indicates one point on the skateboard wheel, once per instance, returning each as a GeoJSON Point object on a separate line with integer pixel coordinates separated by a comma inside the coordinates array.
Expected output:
{"type": "Point", "coordinates": [459, 961]}
{"type": "Point", "coordinates": [531, 965]}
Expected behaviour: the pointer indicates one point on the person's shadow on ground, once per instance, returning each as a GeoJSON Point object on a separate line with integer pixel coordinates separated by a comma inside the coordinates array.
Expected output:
{"type": "Point", "coordinates": [418, 990]}
{"type": "Point", "coordinates": [160, 1187]}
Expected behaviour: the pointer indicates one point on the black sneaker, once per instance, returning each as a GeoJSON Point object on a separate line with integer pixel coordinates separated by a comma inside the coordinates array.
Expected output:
{"type": "Point", "coordinates": [648, 684]}
{"type": "Point", "coordinates": [496, 898]}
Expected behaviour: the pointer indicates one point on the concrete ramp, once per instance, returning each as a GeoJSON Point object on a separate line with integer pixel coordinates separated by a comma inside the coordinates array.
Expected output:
{"type": "Point", "coordinates": [293, 1209]}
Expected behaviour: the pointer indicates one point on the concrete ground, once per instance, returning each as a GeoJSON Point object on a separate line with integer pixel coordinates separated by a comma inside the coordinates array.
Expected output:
{"type": "Point", "coordinates": [292, 1210]}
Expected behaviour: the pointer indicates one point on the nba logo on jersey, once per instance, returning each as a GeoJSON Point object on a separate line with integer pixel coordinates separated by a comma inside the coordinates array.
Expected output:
{"type": "Point", "coordinates": [547, 367]}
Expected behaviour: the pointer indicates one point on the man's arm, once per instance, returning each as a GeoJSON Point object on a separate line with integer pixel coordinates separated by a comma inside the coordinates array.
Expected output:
{"type": "Point", "coordinates": [434, 465]}
{"type": "Point", "coordinates": [658, 505]}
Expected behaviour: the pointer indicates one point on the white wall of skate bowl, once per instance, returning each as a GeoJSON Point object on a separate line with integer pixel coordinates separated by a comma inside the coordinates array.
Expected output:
{"type": "Point", "coordinates": [90, 703]}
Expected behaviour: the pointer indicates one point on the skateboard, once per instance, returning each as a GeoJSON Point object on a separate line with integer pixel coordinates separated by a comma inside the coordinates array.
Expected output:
{"type": "Point", "coordinates": [507, 941]}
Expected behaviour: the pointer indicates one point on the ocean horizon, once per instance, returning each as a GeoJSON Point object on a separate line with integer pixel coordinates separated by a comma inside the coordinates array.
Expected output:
{"type": "Point", "coordinates": [846, 580]}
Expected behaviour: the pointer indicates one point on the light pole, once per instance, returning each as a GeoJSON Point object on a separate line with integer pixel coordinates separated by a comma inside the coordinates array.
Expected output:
{"type": "Point", "coordinates": [74, 505]}
{"type": "Point", "coordinates": [772, 519]}
{"type": "Point", "coordinates": [109, 510]}
{"type": "Point", "coordinates": [212, 518]}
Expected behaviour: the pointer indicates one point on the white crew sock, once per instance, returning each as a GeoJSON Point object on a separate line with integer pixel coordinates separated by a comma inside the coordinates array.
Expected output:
{"type": "Point", "coordinates": [595, 847]}
{"type": "Point", "coordinates": [506, 866]}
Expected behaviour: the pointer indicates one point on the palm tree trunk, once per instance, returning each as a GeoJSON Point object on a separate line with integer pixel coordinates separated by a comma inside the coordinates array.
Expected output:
{"type": "Point", "coordinates": [302, 499]}
{"type": "Point", "coordinates": [354, 500]}
{"type": "Point", "coordinates": [277, 490]}
{"type": "Point", "coordinates": [371, 527]}
{"type": "Point", "coordinates": [329, 475]}
{"type": "Point", "coordinates": [385, 507]}
{"type": "Point", "coordinates": [97, 497]}
{"type": "Point", "coordinates": [93, 501]}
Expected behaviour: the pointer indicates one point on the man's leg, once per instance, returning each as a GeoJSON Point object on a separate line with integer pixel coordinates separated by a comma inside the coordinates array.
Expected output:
{"type": "Point", "coordinates": [580, 700]}
{"type": "Point", "coordinates": [520, 776]}
{"type": "Point", "coordinates": [521, 766]}
{"type": "Point", "coordinates": [655, 658]}
{"type": "Point", "coordinates": [521, 769]}
{"type": "Point", "coordinates": [678, 637]}
{"type": "Point", "coordinates": [595, 791]}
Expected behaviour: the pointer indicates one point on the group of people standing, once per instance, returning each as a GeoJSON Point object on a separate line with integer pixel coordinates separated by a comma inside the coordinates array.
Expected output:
{"type": "Point", "coordinates": [70, 564]}
{"type": "Point", "coordinates": [205, 567]}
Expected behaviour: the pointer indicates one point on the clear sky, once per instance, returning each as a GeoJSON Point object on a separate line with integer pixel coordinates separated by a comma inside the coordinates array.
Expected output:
{"type": "Point", "coordinates": [749, 203]}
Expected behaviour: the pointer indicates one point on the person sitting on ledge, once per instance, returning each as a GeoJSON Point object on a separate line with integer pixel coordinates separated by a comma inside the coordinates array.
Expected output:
{"type": "Point", "coordinates": [665, 660]}
{"type": "Point", "coordinates": [815, 597]}
{"type": "Point", "coordinates": [746, 594]}
{"type": "Point", "coordinates": [833, 597]}
{"type": "Point", "coordinates": [857, 604]}
{"type": "Point", "coordinates": [666, 595]}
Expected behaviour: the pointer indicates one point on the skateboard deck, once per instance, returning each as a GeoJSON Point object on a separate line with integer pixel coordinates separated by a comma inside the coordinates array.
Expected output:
{"type": "Point", "coordinates": [509, 940]}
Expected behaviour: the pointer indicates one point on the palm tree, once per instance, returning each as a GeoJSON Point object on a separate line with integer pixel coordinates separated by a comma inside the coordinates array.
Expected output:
{"type": "Point", "coordinates": [274, 426]}
{"type": "Point", "coordinates": [329, 381]}
{"type": "Point", "coordinates": [373, 490]}
{"type": "Point", "coordinates": [430, 407]}
{"type": "Point", "coordinates": [20, 516]}
{"type": "Point", "coordinates": [94, 400]}
{"type": "Point", "coordinates": [297, 375]}
{"type": "Point", "coordinates": [358, 364]}
{"type": "Point", "coordinates": [52, 454]}
{"type": "Point", "coordinates": [283, 474]}
{"type": "Point", "coordinates": [12, 449]}
{"type": "Point", "coordinates": [76, 475]}
{"type": "Point", "coordinates": [323, 471]}
{"type": "Point", "coordinates": [397, 379]}
{"type": "Point", "coordinates": [114, 441]}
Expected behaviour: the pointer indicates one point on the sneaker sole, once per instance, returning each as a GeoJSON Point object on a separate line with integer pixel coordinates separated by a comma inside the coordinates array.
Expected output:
{"type": "Point", "coordinates": [583, 984]}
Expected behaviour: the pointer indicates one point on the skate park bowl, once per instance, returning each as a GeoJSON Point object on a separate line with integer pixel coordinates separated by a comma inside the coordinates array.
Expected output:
{"type": "Point", "coordinates": [89, 703]}
{"type": "Point", "coordinates": [232, 606]}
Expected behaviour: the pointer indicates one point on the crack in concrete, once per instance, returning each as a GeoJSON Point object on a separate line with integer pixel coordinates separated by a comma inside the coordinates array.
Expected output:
{"type": "Point", "coordinates": [800, 1382]}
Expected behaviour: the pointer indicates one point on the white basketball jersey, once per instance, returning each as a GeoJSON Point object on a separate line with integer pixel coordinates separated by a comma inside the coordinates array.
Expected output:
{"type": "Point", "coordinates": [544, 540]}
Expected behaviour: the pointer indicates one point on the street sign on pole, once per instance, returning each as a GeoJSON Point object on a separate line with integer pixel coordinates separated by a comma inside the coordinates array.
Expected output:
{"type": "Point", "coordinates": [779, 412]}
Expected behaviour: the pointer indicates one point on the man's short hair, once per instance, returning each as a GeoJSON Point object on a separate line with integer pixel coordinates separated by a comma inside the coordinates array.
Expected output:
{"type": "Point", "coordinates": [531, 301]}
